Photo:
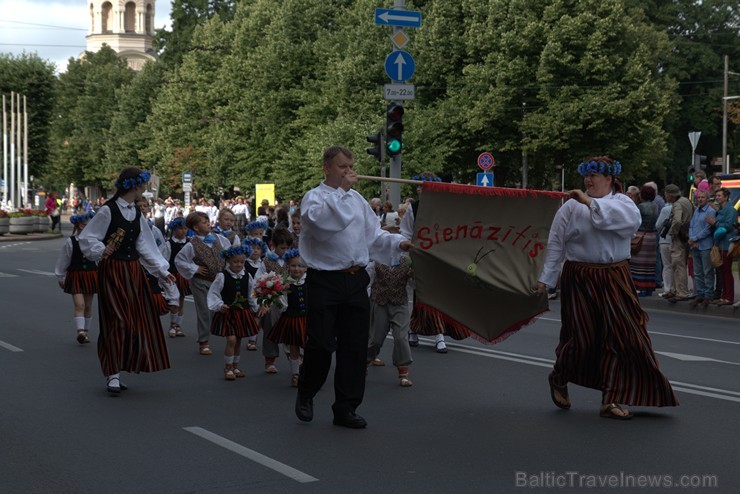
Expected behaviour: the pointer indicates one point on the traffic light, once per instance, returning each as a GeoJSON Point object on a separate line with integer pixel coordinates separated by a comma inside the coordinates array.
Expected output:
{"type": "Point", "coordinates": [394, 129]}
{"type": "Point", "coordinates": [691, 174]}
{"type": "Point", "coordinates": [702, 160]}
{"type": "Point", "coordinates": [378, 149]}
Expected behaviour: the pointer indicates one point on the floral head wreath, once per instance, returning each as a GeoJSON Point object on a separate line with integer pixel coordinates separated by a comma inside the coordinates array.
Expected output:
{"type": "Point", "coordinates": [256, 225]}
{"type": "Point", "coordinates": [251, 241]}
{"type": "Point", "coordinates": [239, 250]}
{"type": "Point", "coordinates": [588, 167]}
{"type": "Point", "coordinates": [81, 218]}
{"type": "Point", "coordinates": [130, 183]}
{"type": "Point", "coordinates": [176, 223]}
{"type": "Point", "coordinates": [291, 254]}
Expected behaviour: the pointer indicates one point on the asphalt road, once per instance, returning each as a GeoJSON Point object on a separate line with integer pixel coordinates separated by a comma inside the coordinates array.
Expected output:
{"type": "Point", "coordinates": [477, 420]}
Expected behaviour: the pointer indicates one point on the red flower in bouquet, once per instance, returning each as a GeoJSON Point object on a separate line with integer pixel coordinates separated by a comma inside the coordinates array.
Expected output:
{"type": "Point", "coordinates": [269, 287]}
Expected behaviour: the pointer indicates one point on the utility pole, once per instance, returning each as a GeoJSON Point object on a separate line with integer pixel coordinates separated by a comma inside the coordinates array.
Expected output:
{"type": "Point", "coordinates": [12, 149]}
{"type": "Point", "coordinates": [5, 155]}
{"type": "Point", "coordinates": [725, 162]}
{"type": "Point", "coordinates": [25, 153]}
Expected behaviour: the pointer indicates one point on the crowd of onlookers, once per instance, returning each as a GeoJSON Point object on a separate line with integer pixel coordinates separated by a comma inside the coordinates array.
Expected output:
{"type": "Point", "coordinates": [684, 238]}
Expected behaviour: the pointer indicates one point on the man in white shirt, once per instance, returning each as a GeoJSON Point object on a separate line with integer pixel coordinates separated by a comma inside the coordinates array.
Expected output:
{"type": "Point", "coordinates": [340, 234]}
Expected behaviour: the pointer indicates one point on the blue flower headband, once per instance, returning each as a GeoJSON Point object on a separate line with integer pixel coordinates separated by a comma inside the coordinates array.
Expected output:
{"type": "Point", "coordinates": [256, 225]}
{"type": "Point", "coordinates": [426, 179]}
{"type": "Point", "coordinates": [131, 183]}
{"type": "Point", "coordinates": [290, 254]}
{"type": "Point", "coordinates": [588, 167]}
{"type": "Point", "coordinates": [239, 250]}
{"type": "Point", "coordinates": [252, 241]}
{"type": "Point", "coordinates": [81, 218]}
{"type": "Point", "coordinates": [176, 223]}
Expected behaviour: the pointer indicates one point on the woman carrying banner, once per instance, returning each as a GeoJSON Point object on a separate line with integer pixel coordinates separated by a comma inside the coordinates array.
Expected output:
{"type": "Point", "coordinates": [604, 342]}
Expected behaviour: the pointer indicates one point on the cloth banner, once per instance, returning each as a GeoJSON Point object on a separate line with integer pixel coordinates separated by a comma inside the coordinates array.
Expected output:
{"type": "Point", "coordinates": [479, 252]}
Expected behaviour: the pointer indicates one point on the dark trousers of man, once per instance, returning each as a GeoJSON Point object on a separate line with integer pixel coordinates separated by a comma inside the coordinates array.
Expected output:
{"type": "Point", "coordinates": [338, 319]}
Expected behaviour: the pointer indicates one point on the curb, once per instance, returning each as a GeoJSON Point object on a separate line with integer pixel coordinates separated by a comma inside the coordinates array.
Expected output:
{"type": "Point", "coordinates": [10, 237]}
{"type": "Point", "coordinates": [655, 302]}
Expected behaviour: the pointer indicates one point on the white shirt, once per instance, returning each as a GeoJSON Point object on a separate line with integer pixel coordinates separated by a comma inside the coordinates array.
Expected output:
{"type": "Point", "coordinates": [92, 246]}
{"type": "Point", "coordinates": [214, 292]}
{"type": "Point", "coordinates": [599, 233]}
{"type": "Point", "coordinates": [169, 214]}
{"type": "Point", "coordinates": [184, 259]}
{"type": "Point", "coordinates": [65, 257]}
{"type": "Point", "coordinates": [159, 210]}
{"type": "Point", "coordinates": [340, 230]}
{"type": "Point", "coordinates": [158, 237]}
{"type": "Point", "coordinates": [212, 212]}
{"type": "Point", "coordinates": [239, 209]}
{"type": "Point", "coordinates": [391, 219]}
{"type": "Point", "coordinates": [407, 223]}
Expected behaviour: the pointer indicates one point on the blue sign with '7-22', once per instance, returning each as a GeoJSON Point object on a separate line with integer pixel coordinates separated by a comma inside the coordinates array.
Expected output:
{"type": "Point", "coordinates": [399, 66]}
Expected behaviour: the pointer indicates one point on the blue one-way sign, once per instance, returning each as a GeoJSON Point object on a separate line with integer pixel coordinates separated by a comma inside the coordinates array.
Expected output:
{"type": "Point", "coordinates": [400, 66]}
{"type": "Point", "coordinates": [390, 17]}
{"type": "Point", "coordinates": [484, 180]}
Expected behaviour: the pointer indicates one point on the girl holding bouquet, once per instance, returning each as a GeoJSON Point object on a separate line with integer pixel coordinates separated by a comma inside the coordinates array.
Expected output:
{"type": "Point", "coordinates": [274, 262]}
{"type": "Point", "coordinates": [290, 328]}
{"type": "Point", "coordinates": [78, 276]}
{"type": "Point", "coordinates": [119, 239]}
{"type": "Point", "coordinates": [230, 298]}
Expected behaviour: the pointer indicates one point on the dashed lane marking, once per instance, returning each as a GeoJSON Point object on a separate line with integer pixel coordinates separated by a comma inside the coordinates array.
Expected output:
{"type": "Point", "coordinates": [10, 347]}
{"type": "Point", "coordinates": [250, 454]}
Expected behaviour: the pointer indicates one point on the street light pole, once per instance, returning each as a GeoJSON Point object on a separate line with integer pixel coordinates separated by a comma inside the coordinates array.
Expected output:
{"type": "Point", "coordinates": [725, 163]}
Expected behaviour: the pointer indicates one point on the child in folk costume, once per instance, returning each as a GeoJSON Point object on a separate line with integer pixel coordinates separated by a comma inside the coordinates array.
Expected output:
{"type": "Point", "coordinates": [295, 226]}
{"type": "Point", "coordinates": [160, 299]}
{"type": "Point", "coordinates": [254, 262]}
{"type": "Point", "coordinates": [226, 220]}
{"type": "Point", "coordinates": [290, 328]}
{"type": "Point", "coordinates": [232, 300]}
{"type": "Point", "coordinates": [199, 262]}
{"type": "Point", "coordinates": [389, 310]}
{"type": "Point", "coordinates": [257, 229]}
{"type": "Point", "coordinates": [274, 263]}
{"type": "Point", "coordinates": [119, 239]}
{"type": "Point", "coordinates": [78, 276]}
{"type": "Point", "coordinates": [169, 251]}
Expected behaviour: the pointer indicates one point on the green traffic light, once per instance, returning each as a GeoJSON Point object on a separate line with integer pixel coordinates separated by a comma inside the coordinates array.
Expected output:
{"type": "Point", "coordinates": [394, 146]}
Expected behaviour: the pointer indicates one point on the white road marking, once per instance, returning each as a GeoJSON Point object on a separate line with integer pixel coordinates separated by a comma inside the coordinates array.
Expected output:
{"type": "Point", "coordinates": [669, 334]}
{"type": "Point", "coordinates": [695, 389]}
{"type": "Point", "coordinates": [8, 275]}
{"type": "Point", "coordinates": [695, 358]}
{"type": "Point", "coordinates": [5, 246]}
{"type": "Point", "coordinates": [36, 271]}
{"type": "Point", "coordinates": [250, 454]}
{"type": "Point", "coordinates": [10, 347]}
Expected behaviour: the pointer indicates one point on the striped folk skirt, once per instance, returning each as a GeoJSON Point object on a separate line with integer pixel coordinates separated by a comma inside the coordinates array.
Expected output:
{"type": "Point", "coordinates": [234, 322]}
{"type": "Point", "coordinates": [604, 342]}
{"type": "Point", "coordinates": [183, 285]}
{"type": "Point", "coordinates": [642, 264]}
{"type": "Point", "coordinates": [131, 337]}
{"type": "Point", "coordinates": [431, 323]}
{"type": "Point", "coordinates": [290, 330]}
{"type": "Point", "coordinates": [81, 282]}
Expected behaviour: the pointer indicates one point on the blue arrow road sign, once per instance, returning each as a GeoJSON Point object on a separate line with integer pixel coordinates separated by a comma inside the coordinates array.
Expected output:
{"type": "Point", "coordinates": [390, 17]}
{"type": "Point", "coordinates": [400, 66]}
{"type": "Point", "coordinates": [484, 180]}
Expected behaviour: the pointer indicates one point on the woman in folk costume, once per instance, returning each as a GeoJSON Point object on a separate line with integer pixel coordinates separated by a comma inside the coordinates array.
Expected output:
{"type": "Point", "coordinates": [78, 276]}
{"type": "Point", "coordinates": [426, 322]}
{"type": "Point", "coordinates": [604, 342]}
{"type": "Point", "coordinates": [169, 251]}
{"type": "Point", "coordinates": [231, 298]}
{"type": "Point", "coordinates": [119, 239]}
{"type": "Point", "coordinates": [290, 328]}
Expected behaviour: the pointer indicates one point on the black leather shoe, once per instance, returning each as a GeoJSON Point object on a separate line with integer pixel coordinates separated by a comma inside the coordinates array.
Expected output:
{"type": "Point", "coordinates": [304, 408]}
{"type": "Point", "coordinates": [352, 420]}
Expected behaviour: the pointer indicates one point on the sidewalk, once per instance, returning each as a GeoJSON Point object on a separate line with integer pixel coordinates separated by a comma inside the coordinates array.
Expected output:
{"type": "Point", "coordinates": [655, 302]}
{"type": "Point", "coordinates": [11, 237]}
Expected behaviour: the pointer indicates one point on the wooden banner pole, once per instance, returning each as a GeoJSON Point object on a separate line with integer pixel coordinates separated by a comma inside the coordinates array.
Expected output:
{"type": "Point", "coordinates": [394, 180]}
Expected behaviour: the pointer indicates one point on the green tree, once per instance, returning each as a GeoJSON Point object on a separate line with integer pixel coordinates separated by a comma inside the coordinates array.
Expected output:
{"type": "Point", "coordinates": [33, 77]}
{"type": "Point", "coordinates": [86, 102]}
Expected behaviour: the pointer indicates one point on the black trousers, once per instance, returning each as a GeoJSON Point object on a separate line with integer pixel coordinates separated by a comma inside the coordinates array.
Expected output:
{"type": "Point", "coordinates": [338, 319]}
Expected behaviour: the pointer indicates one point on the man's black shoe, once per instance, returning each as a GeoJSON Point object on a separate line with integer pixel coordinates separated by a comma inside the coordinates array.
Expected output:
{"type": "Point", "coordinates": [351, 420]}
{"type": "Point", "coordinates": [304, 408]}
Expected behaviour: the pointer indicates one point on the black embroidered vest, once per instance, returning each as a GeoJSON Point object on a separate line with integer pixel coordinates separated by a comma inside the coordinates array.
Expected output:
{"type": "Point", "coordinates": [78, 261]}
{"type": "Point", "coordinates": [232, 286]}
{"type": "Point", "coordinates": [127, 250]}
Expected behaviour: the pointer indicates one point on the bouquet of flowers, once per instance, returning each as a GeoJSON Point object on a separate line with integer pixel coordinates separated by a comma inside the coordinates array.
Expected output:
{"type": "Point", "coordinates": [269, 287]}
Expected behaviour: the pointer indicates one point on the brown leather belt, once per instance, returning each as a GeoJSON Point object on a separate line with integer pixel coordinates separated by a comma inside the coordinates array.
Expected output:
{"type": "Point", "coordinates": [352, 270]}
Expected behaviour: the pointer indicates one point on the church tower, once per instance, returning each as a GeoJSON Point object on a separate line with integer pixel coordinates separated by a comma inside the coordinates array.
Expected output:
{"type": "Point", "coordinates": [126, 26]}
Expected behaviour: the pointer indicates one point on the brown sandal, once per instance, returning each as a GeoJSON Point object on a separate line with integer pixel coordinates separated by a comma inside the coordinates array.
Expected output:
{"type": "Point", "coordinates": [562, 390]}
{"type": "Point", "coordinates": [608, 412]}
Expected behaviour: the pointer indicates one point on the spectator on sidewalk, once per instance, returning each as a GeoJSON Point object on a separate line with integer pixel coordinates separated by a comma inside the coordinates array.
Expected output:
{"type": "Point", "coordinates": [681, 211]}
{"type": "Point", "coordinates": [724, 228]}
{"type": "Point", "coordinates": [700, 242]}
{"type": "Point", "coordinates": [664, 246]}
